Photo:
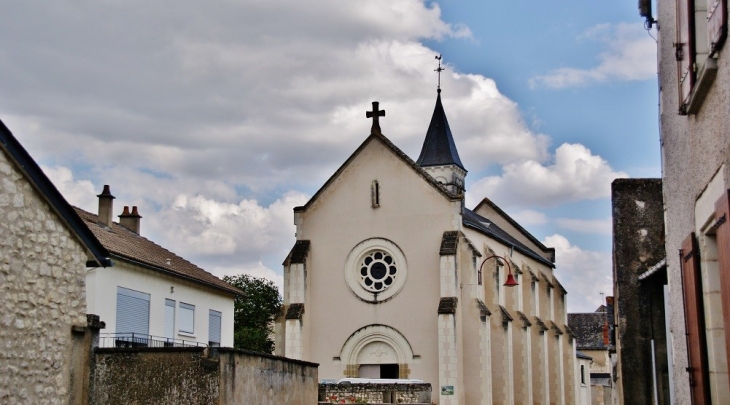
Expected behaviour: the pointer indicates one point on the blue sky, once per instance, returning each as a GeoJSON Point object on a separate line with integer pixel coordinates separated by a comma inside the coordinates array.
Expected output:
{"type": "Point", "coordinates": [216, 119]}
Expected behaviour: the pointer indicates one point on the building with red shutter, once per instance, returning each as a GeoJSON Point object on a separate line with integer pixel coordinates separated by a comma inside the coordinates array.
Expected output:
{"type": "Point", "coordinates": [694, 96]}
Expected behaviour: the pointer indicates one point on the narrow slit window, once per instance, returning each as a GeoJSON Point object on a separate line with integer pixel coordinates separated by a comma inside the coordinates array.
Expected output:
{"type": "Point", "coordinates": [375, 194]}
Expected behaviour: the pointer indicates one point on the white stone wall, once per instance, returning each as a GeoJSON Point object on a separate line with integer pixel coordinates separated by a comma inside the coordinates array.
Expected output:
{"type": "Point", "coordinates": [43, 294]}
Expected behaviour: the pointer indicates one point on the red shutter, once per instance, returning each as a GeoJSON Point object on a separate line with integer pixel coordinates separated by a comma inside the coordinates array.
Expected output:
{"type": "Point", "coordinates": [717, 24]}
{"type": "Point", "coordinates": [695, 321]}
{"type": "Point", "coordinates": [685, 50]}
{"type": "Point", "coordinates": [722, 214]}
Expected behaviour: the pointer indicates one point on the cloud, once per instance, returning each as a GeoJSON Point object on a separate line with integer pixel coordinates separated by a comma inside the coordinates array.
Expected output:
{"type": "Point", "coordinates": [81, 193]}
{"type": "Point", "coordinates": [576, 174]}
{"type": "Point", "coordinates": [599, 226]}
{"type": "Point", "coordinates": [630, 55]}
{"type": "Point", "coordinates": [256, 269]}
{"type": "Point", "coordinates": [584, 273]}
{"type": "Point", "coordinates": [529, 217]}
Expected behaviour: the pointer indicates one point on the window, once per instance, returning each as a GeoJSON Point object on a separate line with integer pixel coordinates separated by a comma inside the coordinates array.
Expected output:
{"type": "Point", "coordinates": [169, 318]}
{"type": "Point", "coordinates": [497, 284]}
{"type": "Point", "coordinates": [214, 328]}
{"type": "Point", "coordinates": [375, 270]}
{"type": "Point", "coordinates": [582, 374]}
{"type": "Point", "coordinates": [375, 194]}
{"type": "Point", "coordinates": [133, 313]}
{"type": "Point", "coordinates": [378, 271]}
{"type": "Point", "coordinates": [701, 31]}
{"type": "Point", "coordinates": [695, 321]}
{"type": "Point", "coordinates": [187, 318]}
{"type": "Point", "coordinates": [535, 298]}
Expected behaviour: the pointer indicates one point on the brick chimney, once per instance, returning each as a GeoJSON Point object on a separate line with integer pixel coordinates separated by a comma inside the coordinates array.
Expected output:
{"type": "Point", "coordinates": [106, 206]}
{"type": "Point", "coordinates": [130, 221]}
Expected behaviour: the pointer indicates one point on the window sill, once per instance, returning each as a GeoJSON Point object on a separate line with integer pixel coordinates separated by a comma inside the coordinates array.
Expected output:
{"type": "Point", "coordinates": [704, 80]}
{"type": "Point", "coordinates": [186, 334]}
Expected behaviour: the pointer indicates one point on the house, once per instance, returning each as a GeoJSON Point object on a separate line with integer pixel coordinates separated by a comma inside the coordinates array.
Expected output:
{"type": "Point", "coordinates": [391, 276]}
{"type": "Point", "coordinates": [152, 296]}
{"type": "Point", "coordinates": [694, 98]}
{"type": "Point", "coordinates": [44, 250]}
{"type": "Point", "coordinates": [594, 335]}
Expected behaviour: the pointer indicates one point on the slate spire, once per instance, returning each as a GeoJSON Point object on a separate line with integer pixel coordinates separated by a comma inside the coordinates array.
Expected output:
{"type": "Point", "coordinates": [438, 147]}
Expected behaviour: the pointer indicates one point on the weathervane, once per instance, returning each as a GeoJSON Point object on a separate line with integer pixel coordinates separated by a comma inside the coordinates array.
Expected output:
{"type": "Point", "coordinates": [439, 70]}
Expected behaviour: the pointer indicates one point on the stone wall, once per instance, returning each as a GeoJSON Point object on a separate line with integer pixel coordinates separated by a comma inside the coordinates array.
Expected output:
{"type": "Point", "coordinates": [200, 376]}
{"type": "Point", "coordinates": [42, 270]}
{"type": "Point", "coordinates": [346, 393]}
{"type": "Point", "coordinates": [638, 244]}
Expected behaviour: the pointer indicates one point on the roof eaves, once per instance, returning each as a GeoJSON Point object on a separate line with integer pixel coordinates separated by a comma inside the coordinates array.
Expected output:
{"type": "Point", "coordinates": [506, 242]}
{"type": "Point", "coordinates": [231, 290]}
{"type": "Point", "coordinates": [520, 228]}
{"type": "Point", "coordinates": [388, 144]}
{"type": "Point", "coordinates": [53, 197]}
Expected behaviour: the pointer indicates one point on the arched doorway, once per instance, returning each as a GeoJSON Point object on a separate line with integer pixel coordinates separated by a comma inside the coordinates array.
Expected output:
{"type": "Point", "coordinates": [377, 351]}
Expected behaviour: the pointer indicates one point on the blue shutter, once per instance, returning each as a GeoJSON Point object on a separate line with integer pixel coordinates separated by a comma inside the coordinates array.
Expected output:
{"type": "Point", "coordinates": [214, 328]}
{"type": "Point", "coordinates": [133, 312]}
{"type": "Point", "coordinates": [187, 318]}
{"type": "Point", "coordinates": [169, 318]}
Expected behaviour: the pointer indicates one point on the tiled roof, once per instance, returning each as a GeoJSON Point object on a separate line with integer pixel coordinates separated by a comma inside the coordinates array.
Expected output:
{"type": "Point", "coordinates": [589, 330]}
{"type": "Point", "coordinates": [439, 148]}
{"type": "Point", "coordinates": [35, 176]}
{"type": "Point", "coordinates": [477, 222]}
{"type": "Point", "coordinates": [127, 245]}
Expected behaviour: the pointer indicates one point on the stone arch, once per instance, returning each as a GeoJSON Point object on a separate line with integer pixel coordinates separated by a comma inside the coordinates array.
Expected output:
{"type": "Point", "coordinates": [373, 343]}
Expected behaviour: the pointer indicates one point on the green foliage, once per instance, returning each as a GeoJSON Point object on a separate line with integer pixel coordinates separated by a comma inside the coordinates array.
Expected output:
{"type": "Point", "coordinates": [254, 313]}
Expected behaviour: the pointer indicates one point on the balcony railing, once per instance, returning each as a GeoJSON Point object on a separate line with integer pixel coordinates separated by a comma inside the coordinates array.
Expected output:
{"type": "Point", "coordinates": [136, 340]}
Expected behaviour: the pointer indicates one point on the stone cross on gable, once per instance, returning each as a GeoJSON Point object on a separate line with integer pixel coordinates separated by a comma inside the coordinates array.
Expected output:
{"type": "Point", "coordinates": [375, 114]}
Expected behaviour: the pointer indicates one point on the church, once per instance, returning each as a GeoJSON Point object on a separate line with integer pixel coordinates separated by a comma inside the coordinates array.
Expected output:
{"type": "Point", "coordinates": [391, 276]}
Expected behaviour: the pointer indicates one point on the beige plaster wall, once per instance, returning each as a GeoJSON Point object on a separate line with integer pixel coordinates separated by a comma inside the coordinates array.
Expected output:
{"type": "Point", "coordinates": [693, 149]}
{"type": "Point", "coordinates": [42, 285]}
{"type": "Point", "coordinates": [413, 215]}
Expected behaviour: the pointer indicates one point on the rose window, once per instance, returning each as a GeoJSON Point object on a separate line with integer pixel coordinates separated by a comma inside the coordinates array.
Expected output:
{"type": "Point", "coordinates": [377, 271]}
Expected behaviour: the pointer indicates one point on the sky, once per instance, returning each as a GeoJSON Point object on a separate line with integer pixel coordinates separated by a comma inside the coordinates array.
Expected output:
{"type": "Point", "coordinates": [217, 118]}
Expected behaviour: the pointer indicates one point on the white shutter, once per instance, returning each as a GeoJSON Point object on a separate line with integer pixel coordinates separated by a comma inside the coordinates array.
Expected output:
{"type": "Point", "coordinates": [187, 318]}
{"type": "Point", "coordinates": [169, 318]}
{"type": "Point", "coordinates": [133, 312]}
{"type": "Point", "coordinates": [214, 328]}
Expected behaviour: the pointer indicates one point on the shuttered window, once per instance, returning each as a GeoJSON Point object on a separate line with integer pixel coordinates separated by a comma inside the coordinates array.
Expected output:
{"type": "Point", "coordinates": [695, 321]}
{"type": "Point", "coordinates": [716, 23]}
{"type": "Point", "coordinates": [722, 237]}
{"type": "Point", "coordinates": [685, 50]}
{"type": "Point", "coordinates": [169, 318]}
{"type": "Point", "coordinates": [214, 328]}
{"type": "Point", "coordinates": [133, 312]}
{"type": "Point", "coordinates": [187, 318]}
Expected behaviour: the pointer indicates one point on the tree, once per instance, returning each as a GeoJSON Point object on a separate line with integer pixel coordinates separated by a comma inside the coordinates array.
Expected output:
{"type": "Point", "coordinates": [254, 312]}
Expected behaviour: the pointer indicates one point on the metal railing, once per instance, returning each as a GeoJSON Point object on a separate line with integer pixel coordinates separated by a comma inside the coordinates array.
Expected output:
{"type": "Point", "coordinates": [136, 340]}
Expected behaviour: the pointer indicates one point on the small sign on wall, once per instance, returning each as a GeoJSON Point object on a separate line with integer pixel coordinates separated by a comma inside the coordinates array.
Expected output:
{"type": "Point", "coordinates": [447, 390]}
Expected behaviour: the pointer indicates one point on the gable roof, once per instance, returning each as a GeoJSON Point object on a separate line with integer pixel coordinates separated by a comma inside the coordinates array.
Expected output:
{"type": "Point", "coordinates": [397, 152]}
{"type": "Point", "coordinates": [40, 182]}
{"type": "Point", "coordinates": [515, 224]}
{"type": "Point", "coordinates": [133, 248]}
{"type": "Point", "coordinates": [483, 225]}
{"type": "Point", "coordinates": [439, 148]}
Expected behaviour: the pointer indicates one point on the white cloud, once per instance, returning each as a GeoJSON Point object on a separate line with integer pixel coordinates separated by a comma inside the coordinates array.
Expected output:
{"type": "Point", "coordinates": [256, 269]}
{"type": "Point", "coordinates": [78, 192]}
{"type": "Point", "coordinates": [576, 174]}
{"type": "Point", "coordinates": [599, 226]}
{"type": "Point", "coordinates": [630, 55]}
{"type": "Point", "coordinates": [529, 217]}
{"type": "Point", "coordinates": [584, 273]}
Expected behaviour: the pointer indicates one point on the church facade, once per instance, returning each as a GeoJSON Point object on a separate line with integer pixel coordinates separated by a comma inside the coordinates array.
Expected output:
{"type": "Point", "coordinates": [391, 276]}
